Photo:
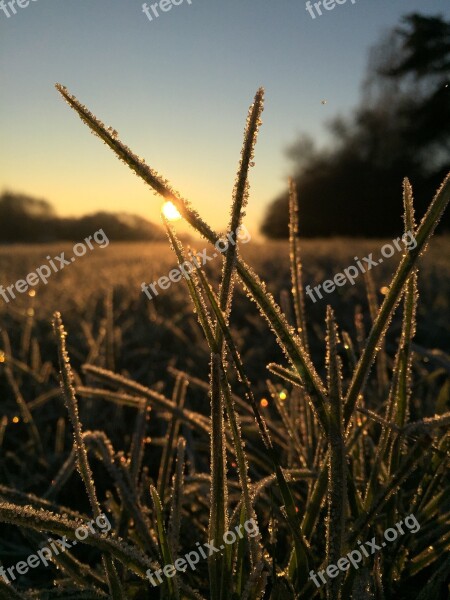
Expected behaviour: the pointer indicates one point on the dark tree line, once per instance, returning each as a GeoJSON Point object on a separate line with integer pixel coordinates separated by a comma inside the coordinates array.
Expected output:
{"type": "Point", "coordinates": [27, 220]}
{"type": "Point", "coordinates": [400, 128]}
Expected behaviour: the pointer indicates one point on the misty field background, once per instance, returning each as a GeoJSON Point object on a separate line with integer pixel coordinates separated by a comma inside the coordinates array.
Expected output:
{"type": "Point", "coordinates": [151, 335]}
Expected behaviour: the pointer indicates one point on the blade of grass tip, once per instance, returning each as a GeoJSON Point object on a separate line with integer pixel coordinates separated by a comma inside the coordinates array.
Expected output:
{"type": "Point", "coordinates": [296, 265]}
{"type": "Point", "coordinates": [164, 544]}
{"type": "Point", "coordinates": [396, 289]}
{"type": "Point", "coordinates": [240, 199]}
{"type": "Point", "coordinates": [68, 393]}
{"type": "Point", "coordinates": [179, 396]}
{"type": "Point", "coordinates": [287, 338]}
{"type": "Point", "coordinates": [337, 483]}
{"type": "Point", "coordinates": [301, 548]}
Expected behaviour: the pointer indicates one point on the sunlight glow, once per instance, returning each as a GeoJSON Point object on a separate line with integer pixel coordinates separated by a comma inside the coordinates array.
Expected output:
{"type": "Point", "coordinates": [170, 211]}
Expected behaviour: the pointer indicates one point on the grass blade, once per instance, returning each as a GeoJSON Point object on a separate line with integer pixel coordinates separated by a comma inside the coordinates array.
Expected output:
{"type": "Point", "coordinates": [68, 392]}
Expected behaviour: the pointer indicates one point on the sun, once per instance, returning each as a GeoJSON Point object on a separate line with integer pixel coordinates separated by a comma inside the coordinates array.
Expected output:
{"type": "Point", "coordinates": [170, 211]}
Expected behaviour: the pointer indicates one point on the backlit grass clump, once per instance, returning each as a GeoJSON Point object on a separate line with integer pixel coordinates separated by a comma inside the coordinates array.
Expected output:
{"type": "Point", "coordinates": [335, 459]}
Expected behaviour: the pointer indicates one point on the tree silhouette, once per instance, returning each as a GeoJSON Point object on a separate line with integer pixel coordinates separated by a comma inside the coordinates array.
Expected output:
{"type": "Point", "coordinates": [28, 220]}
{"type": "Point", "coordinates": [401, 128]}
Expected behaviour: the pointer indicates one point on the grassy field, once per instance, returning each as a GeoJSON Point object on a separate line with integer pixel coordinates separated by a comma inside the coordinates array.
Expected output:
{"type": "Point", "coordinates": [111, 324]}
{"type": "Point", "coordinates": [238, 451]}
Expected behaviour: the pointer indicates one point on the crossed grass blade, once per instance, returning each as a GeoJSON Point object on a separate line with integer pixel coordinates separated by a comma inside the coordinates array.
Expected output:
{"type": "Point", "coordinates": [288, 340]}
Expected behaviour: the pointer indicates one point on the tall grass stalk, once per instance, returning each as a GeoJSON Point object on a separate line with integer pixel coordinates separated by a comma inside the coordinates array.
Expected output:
{"type": "Point", "coordinates": [84, 469]}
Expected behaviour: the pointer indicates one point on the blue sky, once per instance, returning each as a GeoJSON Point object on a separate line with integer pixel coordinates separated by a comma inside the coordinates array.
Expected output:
{"type": "Point", "coordinates": [177, 90]}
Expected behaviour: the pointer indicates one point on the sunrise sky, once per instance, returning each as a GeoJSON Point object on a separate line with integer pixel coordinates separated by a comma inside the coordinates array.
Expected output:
{"type": "Point", "coordinates": [177, 90]}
